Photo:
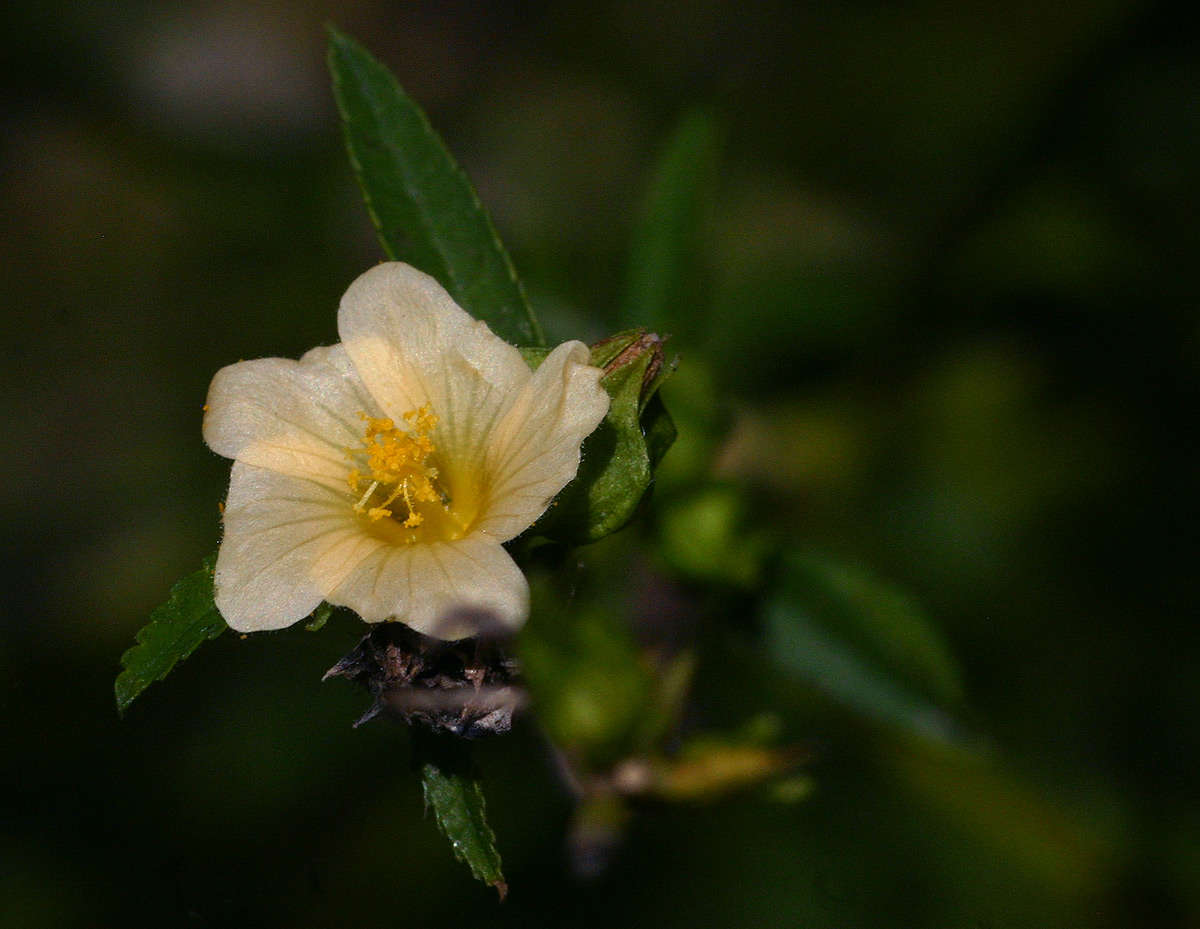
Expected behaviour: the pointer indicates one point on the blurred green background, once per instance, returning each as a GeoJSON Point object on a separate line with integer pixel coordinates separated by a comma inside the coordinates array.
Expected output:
{"type": "Point", "coordinates": [947, 299]}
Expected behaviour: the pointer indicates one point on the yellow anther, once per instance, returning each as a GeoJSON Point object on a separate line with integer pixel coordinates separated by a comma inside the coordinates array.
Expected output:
{"type": "Point", "coordinates": [394, 461]}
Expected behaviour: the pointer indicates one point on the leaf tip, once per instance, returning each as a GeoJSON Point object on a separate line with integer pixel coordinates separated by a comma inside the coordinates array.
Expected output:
{"type": "Point", "coordinates": [121, 699]}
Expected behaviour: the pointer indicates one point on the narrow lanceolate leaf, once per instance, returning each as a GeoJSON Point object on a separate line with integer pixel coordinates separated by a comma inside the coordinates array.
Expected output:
{"type": "Point", "coordinates": [421, 202]}
{"type": "Point", "coordinates": [175, 630]}
{"type": "Point", "coordinates": [454, 793]}
{"type": "Point", "coordinates": [663, 291]}
{"type": "Point", "coordinates": [864, 644]}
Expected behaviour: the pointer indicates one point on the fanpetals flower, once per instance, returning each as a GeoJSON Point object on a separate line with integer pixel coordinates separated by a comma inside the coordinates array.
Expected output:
{"type": "Point", "coordinates": [384, 473]}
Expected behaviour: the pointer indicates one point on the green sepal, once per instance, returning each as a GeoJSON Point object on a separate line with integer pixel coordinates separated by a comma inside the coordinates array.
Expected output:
{"type": "Point", "coordinates": [454, 792]}
{"type": "Point", "coordinates": [534, 355]}
{"type": "Point", "coordinates": [420, 200]}
{"type": "Point", "coordinates": [176, 629]}
{"type": "Point", "coordinates": [618, 459]}
{"type": "Point", "coordinates": [658, 429]}
{"type": "Point", "coordinates": [320, 616]}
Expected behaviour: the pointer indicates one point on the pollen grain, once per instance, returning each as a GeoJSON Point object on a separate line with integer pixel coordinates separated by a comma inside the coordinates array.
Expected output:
{"type": "Point", "coordinates": [396, 473]}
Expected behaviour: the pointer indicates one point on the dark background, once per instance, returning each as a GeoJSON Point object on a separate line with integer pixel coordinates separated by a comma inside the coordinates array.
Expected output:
{"type": "Point", "coordinates": [950, 261]}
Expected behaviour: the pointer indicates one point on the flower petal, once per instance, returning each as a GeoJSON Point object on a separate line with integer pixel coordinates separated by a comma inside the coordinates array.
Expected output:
{"type": "Point", "coordinates": [448, 590]}
{"type": "Point", "coordinates": [288, 542]}
{"type": "Point", "coordinates": [412, 345]}
{"type": "Point", "coordinates": [534, 450]}
{"type": "Point", "coordinates": [293, 417]}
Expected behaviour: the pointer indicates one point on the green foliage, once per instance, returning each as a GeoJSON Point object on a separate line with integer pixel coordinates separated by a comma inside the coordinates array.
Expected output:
{"type": "Point", "coordinates": [670, 688]}
{"type": "Point", "coordinates": [862, 643]}
{"type": "Point", "coordinates": [922, 325]}
{"type": "Point", "coordinates": [421, 202]}
{"type": "Point", "coordinates": [618, 459]}
{"type": "Point", "coordinates": [534, 355]}
{"type": "Point", "coordinates": [320, 616]}
{"type": "Point", "coordinates": [614, 709]}
{"type": "Point", "coordinates": [658, 429]}
{"type": "Point", "coordinates": [454, 793]}
{"type": "Point", "coordinates": [709, 535]}
{"type": "Point", "coordinates": [710, 766]}
{"type": "Point", "coordinates": [662, 291]}
{"type": "Point", "coordinates": [176, 629]}
{"type": "Point", "coordinates": [590, 684]}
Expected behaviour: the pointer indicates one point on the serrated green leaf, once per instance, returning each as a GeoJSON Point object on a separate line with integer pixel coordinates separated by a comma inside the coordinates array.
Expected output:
{"type": "Point", "coordinates": [662, 291]}
{"type": "Point", "coordinates": [864, 644]}
{"type": "Point", "coordinates": [453, 791]}
{"type": "Point", "coordinates": [176, 629]}
{"type": "Point", "coordinates": [421, 202]}
{"type": "Point", "coordinates": [618, 459]}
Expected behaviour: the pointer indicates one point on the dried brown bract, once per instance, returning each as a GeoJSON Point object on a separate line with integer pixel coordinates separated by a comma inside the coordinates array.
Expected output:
{"type": "Point", "coordinates": [467, 687]}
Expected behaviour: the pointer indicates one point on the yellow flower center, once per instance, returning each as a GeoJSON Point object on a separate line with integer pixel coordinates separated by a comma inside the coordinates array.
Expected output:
{"type": "Point", "coordinates": [396, 482]}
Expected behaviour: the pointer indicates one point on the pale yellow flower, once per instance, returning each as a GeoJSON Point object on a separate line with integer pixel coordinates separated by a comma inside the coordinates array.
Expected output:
{"type": "Point", "coordinates": [384, 473]}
